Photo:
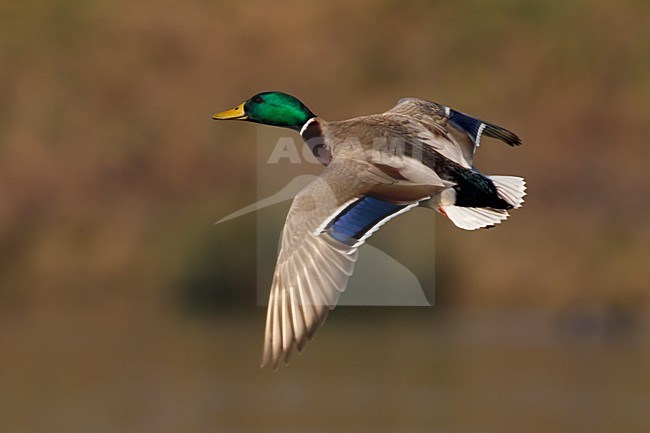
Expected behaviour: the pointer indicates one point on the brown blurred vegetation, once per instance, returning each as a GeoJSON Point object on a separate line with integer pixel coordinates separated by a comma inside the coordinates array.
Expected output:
{"type": "Point", "coordinates": [112, 174]}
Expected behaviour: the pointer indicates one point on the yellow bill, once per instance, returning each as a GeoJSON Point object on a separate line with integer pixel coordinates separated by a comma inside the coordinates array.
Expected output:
{"type": "Point", "coordinates": [235, 113]}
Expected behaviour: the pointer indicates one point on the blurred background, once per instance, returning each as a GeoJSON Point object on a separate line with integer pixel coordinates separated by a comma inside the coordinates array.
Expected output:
{"type": "Point", "coordinates": [123, 308]}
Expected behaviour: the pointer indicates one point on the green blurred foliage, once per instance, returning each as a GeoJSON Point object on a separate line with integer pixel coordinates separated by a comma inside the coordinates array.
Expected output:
{"type": "Point", "coordinates": [107, 151]}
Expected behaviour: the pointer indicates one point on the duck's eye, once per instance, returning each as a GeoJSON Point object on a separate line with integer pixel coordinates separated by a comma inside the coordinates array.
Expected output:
{"type": "Point", "coordinates": [257, 100]}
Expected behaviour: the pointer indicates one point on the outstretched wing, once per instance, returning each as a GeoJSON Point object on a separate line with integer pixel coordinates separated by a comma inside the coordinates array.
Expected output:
{"type": "Point", "coordinates": [466, 130]}
{"type": "Point", "coordinates": [429, 125]}
{"type": "Point", "coordinates": [326, 224]}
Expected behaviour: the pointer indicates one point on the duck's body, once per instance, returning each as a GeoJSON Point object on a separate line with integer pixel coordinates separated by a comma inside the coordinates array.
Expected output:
{"type": "Point", "coordinates": [418, 153]}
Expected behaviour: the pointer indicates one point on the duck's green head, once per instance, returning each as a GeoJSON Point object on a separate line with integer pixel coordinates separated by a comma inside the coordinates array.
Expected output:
{"type": "Point", "coordinates": [270, 108]}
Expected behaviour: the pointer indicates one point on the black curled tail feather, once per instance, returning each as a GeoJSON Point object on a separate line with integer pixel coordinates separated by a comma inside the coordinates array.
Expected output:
{"type": "Point", "coordinates": [475, 190]}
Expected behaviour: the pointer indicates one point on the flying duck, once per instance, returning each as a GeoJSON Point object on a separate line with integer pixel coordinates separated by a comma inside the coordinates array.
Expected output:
{"type": "Point", "coordinates": [418, 153]}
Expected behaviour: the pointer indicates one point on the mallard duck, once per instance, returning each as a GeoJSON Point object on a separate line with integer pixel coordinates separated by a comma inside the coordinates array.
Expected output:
{"type": "Point", "coordinates": [418, 153]}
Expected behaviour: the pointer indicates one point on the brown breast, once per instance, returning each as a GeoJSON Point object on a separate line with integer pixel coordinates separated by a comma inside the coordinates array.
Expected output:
{"type": "Point", "coordinates": [312, 134]}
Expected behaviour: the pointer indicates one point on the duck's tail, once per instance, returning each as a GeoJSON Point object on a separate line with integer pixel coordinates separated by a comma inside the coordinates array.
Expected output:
{"type": "Point", "coordinates": [510, 189]}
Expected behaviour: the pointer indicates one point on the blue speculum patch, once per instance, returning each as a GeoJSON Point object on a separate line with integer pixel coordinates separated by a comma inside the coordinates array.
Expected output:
{"type": "Point", "coordinates": [353, 222]}
{"type": "Point", "coordinates": [466, 123]}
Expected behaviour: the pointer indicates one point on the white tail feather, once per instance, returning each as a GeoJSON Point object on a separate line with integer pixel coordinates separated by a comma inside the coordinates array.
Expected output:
{"type": "Point", "coordinates": [472, 218]}
{"type": "Point", "coordinates": [510, 188]}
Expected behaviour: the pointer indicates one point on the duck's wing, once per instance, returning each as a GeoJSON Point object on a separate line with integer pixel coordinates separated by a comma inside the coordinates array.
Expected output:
{"type": "Point", "coordinates": [428, 124]}
{"type": "Point", "coordinates": [466, 130]}
{"type": "Point", "coordinates": [326, 224]}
